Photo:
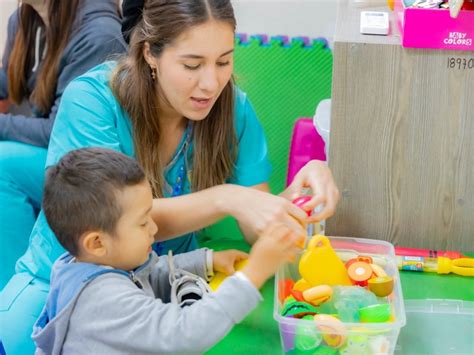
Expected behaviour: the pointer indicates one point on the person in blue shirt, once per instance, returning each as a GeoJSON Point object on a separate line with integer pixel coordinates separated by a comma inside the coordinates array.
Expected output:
{"type": "Point", "coordinates": [48, 44]}
{"type": "Point", "coordinates": [171, 104]}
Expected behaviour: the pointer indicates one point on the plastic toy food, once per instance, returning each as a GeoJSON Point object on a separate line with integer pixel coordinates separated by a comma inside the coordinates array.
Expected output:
{"type": "Point", "coordinates": [318, 294]}
{"type": "Point", "coordinates": [359, 273]}
{"type": "Point", "coordinates": [381, 286]}
{"type": "Point", "coordinates": [319, 265]}
{"type": "Point", "coordinates": [284, 288]}
{"type": "Point", "coordinates": [301, 285]}
{"type": "Point", "coordinates": [378, 271]}
{"type": "Point", "coordinates": [298, 309]}
{"type": "Point", "coordinates": [376, 313]}
{"type": "Point", "coordinates": [307, 337]}
{"type": "Point", "coordinates": [333, 331]}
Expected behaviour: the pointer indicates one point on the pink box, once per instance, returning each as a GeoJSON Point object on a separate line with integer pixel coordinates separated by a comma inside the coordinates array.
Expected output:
{"type": "Point", "coordinates": [434, 28]}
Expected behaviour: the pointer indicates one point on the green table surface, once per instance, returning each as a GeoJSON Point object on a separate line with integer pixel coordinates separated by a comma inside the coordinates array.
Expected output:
{"type": "Point", "coordinates": [258, 333]}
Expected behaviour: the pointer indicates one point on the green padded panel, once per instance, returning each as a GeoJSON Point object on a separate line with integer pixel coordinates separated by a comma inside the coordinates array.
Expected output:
{"type": "Point", "coordinates": [285, 80]}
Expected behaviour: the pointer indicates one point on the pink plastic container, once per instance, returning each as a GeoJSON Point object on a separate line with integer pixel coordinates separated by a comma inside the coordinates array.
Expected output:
{"type": "Point", "coordinates": [306, 145]}
{"type": "Point", "coordinates": [434, 28]}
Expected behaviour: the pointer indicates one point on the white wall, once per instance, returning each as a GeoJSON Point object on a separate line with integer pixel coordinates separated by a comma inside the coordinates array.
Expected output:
{"type": "Point", "coordinates": [6, 8]}
{"type": "Point", "coordinates": [313, 18]}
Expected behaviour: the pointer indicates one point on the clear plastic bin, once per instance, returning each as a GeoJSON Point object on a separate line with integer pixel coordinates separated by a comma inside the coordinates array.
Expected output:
{"type": "Point", "coordinates": [361, 338]}
{"type": "Point", "coordinates": [437, 327]}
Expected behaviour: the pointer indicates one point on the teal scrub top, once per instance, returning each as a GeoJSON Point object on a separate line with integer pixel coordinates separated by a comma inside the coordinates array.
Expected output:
{"type": "Point", "coordinates": [90, 116]}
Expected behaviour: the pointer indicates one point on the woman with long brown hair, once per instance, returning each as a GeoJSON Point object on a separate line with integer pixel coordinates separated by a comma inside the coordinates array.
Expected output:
{"type": "Point", "coordinates": [171, 104]}
{"type": "Point", "coordinates": [49, 43]}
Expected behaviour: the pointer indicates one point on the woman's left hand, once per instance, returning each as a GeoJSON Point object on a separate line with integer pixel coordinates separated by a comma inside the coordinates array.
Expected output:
{"type": "Point", "coordinates": [224, 261]}
{"type": "Point", "coordinates": [317, 176]}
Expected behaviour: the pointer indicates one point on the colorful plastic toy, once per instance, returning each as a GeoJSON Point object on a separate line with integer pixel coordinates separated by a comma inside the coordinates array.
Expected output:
{"type": "Point", "coordinates": [359, 272]}
{"type": "Point", "coordinates": [301, 285]}
{"type": "Point", "coordinates": [298, 309]}
{"type": "Point", "coordinates": [381, 286]}
{"type": "Point", "coordinates": [307, 337]}
{"type": "Point", "coordinates": [219, 277]}
{"type": "Point", "coordinates": [463, 266]}
{"type": "Point", "coordinates": [378, 270]}
{"type": "Point", "coordinates": [377, 313]}
{"type": "Point", "coordinates": [317, 294]}
{"type": "Point", "coordinates": [441, 265]}
{"type": "Point", "coordinates": [298, 295]}
{"type": "Point", "coordinates": [356, 345]}
{"type": "Point", "coordinates": [333, 330]}
{"type": "Point", "coordinates": [319, 265]}
{"type": "Point", "coordinates": [284, 289]}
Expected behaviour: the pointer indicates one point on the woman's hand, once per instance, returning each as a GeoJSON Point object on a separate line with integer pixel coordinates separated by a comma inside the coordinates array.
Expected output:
{"type": "Point", "coordinates": [317, 176]}
{"type": "Point", "coordinates": [224, 261]}
{"type": "Point", "coordinates": [256, 211]}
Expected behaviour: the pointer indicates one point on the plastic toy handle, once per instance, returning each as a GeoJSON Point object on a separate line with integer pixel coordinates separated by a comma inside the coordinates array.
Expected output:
{"type": "Point", "coordinates": [318, 241]}
{"type": "Point", "coordinates": [463, 266]}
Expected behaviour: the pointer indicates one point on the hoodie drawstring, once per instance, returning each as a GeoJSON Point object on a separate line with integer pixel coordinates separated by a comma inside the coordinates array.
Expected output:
{"type": "Point", "coordinates": [37, 49]}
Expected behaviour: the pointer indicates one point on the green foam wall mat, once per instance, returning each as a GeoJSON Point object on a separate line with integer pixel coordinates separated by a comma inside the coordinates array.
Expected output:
{"type": "Point", "coordinates": [285, 79]}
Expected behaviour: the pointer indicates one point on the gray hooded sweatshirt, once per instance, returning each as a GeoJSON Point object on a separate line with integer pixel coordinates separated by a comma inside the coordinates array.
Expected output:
{"type": "Point", "coordinates": [92, 309]}
{"type": "Point", "coordinates": [96, 36]}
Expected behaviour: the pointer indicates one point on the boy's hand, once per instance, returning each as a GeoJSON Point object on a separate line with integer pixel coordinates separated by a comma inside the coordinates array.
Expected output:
{"type": "Point", "coordinates": [224, 261]}
{"type": "Point", "coordinates": [277, 245]}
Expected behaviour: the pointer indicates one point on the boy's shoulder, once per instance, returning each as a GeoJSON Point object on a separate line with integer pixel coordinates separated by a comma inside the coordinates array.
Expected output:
{"type": "Point", "coordinates": [80, 290]}
{"type": "Point", "coordinates": [69, 277]}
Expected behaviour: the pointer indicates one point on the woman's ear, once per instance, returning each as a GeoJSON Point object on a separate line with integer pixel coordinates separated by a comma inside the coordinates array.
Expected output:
{"type": "Point", "coordinates": [147, 55]}
{"type": "Point", "coordinates": [94, 243]}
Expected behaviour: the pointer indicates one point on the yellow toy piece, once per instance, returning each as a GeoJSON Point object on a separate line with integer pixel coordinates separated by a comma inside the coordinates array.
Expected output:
{"type": "Point", "coordinates": [463, 266]}
{"type": "Point", "coordinates": [391, 4]}
{"type": "Point", "coordinates": [320, 265]}
{"type": "Point", "coordinates": [302, 285]}
{"type": "Point", "coordinates": [219, 277]}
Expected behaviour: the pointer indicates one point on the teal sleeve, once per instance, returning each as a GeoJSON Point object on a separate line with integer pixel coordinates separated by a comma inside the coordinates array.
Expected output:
{"type": "Point", "coordinates": [87, 117]}
{"type": "Point", "coordinates": [252, 165]}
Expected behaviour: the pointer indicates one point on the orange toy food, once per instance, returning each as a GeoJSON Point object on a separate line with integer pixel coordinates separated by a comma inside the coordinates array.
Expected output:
{"type": "Point", "coordinates": [320, 265]}
{"type": "Point", "coordinates": [317, 294]}
{"type": "Point", "coordinates": [359, 272]}
{"type": "Point", "coordinates": [365, 259]}
{"type": "Point", "coordinates": [284, 289]}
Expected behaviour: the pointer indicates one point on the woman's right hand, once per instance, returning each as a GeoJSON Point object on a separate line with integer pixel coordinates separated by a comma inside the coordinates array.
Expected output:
{"type": "Point", "coordinates": [256, 211]}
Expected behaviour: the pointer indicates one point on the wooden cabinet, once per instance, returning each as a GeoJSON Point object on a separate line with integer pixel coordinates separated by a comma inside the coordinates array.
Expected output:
{"type": "Point", "coordinates": [402, 140]}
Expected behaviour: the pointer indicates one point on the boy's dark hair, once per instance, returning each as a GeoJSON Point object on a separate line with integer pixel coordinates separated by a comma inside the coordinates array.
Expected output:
{"type": "Point", "coordinates": [80, 193]}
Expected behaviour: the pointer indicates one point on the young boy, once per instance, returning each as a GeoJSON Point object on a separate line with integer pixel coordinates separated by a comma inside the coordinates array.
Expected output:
{"type": "Point", "coordinates": [111, 293]}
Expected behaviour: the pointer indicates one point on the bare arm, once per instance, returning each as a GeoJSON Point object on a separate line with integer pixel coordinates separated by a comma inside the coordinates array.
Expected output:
{"type": "Point", "coordinates": [249, 235]}
{"type": "Point", "coordinates": [252, 207]}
